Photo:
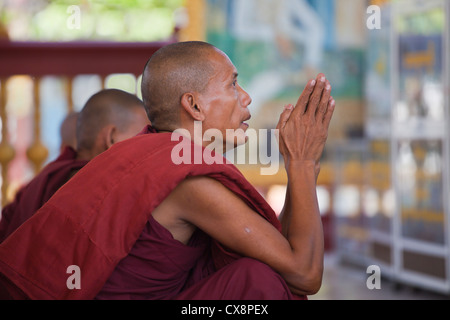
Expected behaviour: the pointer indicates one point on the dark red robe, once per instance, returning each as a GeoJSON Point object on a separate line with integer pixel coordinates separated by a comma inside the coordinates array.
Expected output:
{"type": "Point", "coordinates": [37, 192]}
{"type": "Point", "coordinates": [101, 222]}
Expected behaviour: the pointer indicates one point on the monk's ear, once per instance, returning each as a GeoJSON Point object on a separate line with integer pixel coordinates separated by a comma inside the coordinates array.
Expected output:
{"type": "Point", "coordinates": [190, 103]}
{"type": "Point", "coordinates": [109, 133]}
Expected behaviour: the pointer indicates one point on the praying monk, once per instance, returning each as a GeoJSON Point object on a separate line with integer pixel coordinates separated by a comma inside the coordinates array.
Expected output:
{"type": "Point", "coordinates": [108, 117]}
{"type": "Point", "coordinates": [136, 225]}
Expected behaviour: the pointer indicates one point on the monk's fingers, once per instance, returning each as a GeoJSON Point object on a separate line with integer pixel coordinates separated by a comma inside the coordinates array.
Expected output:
{"type": "Point", "coordinates": [303, 100]}
{"type": "Point", "coordinates": [285, 115]}
{"type": "Point", "coordinates": [316, 96]}
{"type": "Point", "coordinates": [324, 101]}
{"type": "Point", "coordinates": [329, 113]}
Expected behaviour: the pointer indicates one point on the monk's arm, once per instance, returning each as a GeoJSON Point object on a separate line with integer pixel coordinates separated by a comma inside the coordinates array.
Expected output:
{"type": "Point", "coordinates": [207, 204]}
{"type": "Point", "coordinates": [285, 213]}
{"type": "Point", "coordinates": [304, 230]}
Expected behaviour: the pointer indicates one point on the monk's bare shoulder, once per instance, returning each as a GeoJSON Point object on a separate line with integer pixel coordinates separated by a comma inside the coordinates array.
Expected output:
{"type": "Point", "coordinates": [194, 196]}
{"type": "Point", "coordinates": [201, 188]}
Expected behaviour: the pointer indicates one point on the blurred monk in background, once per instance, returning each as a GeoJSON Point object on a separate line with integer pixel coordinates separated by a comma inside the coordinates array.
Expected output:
{"type": "Point", "coordinates": [68, 132]}
{"type": "Point", "coordinates": [108, 117]}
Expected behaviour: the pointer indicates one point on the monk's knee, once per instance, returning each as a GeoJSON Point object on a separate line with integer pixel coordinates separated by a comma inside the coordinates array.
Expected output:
{"type": "Point", "coordinates": [243, 279]}
{"type": "Point", "coordinates": [261, 281]}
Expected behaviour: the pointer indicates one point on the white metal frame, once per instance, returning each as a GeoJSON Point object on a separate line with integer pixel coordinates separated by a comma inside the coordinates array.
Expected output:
{"type": "Point", "coordinates": [446, 82]}
{"type": "Point", "coordinates": [380, 129]}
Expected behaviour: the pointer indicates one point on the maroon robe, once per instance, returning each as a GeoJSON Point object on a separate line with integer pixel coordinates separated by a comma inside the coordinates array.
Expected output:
{"type": "Point", "coordinates": [101, 222]}
{"type": "Point", "coordinates": [37, 192]}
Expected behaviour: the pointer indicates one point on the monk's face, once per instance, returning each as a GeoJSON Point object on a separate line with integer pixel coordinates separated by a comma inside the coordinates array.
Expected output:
{"type": "Point", "coordinates": [225, 103]}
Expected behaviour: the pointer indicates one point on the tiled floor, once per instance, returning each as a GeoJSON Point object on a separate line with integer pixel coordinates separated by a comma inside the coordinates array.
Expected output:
{"type": "Point", "coordinates": [349, 283]}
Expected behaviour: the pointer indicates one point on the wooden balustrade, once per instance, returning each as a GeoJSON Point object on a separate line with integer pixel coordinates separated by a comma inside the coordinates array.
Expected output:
{"type": "Point", "coordinates": [7, 152]}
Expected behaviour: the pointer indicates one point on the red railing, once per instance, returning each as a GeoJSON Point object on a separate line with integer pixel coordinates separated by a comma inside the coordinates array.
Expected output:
{"type": "Point", "coordinates": [74, 58]}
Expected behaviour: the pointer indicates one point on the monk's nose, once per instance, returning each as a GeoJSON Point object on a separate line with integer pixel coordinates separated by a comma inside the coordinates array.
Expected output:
{"type": "Point", "coordinates": [245, 98]}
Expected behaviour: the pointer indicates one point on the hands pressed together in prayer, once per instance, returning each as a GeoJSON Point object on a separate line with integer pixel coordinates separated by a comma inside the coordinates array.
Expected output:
{"type": "Point", "coordinates": [303, 129]}
{"type": "Point", "coordinates": [303, 132]}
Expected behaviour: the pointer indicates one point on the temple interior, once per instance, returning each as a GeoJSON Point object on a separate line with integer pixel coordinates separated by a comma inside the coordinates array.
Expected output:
{"type": "Point", "coordinates": [385, 171]}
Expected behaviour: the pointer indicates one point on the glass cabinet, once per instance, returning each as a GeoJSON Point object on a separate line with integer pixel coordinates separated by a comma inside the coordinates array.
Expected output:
{"type": "Point", "coordinates": [420, 251]}
{"type": "Point", "coordinates": [406, 177]}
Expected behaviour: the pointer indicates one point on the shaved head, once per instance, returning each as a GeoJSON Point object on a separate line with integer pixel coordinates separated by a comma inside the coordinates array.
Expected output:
{"type": "Point", "coordinates": [172, 71]}
{"type": "Point", "coordinates": [108, 107]}
{"type": "Point", "coordinates": [68, 131]}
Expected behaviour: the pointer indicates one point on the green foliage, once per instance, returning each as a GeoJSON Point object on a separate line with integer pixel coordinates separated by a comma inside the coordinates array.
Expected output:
{"type": "Point", "coordinates": [112, 20]}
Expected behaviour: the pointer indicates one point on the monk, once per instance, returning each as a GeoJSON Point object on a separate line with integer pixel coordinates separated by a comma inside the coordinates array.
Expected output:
{"type": "Point", "coordinates": [68, 131]}
{"type": "Point", "coordinates": [134, 224]}
{"type": "Point", "coordinates": [108, 117]}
